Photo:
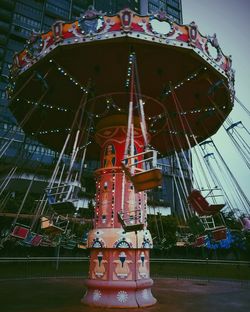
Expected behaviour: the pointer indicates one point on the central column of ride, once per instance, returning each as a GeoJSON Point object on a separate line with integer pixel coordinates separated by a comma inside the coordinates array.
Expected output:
{"type": "Point", "coordinates": [119, 260]}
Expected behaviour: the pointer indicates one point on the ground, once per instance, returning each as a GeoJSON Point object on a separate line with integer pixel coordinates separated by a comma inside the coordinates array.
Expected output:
{"type": "Point", "coordinates": [63, 295]}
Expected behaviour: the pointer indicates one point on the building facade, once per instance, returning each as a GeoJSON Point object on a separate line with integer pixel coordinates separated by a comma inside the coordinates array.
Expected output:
{"type": "Point", "coordinates": [18, 18]}
{"type": "Point", "coordinates": [143, 7]}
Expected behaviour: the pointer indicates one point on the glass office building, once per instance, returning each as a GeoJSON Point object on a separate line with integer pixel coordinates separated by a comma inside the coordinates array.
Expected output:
{"type": "Point", "coordinates": [18, 18]}
{"type": "Point", "coordinates": [143, 7]}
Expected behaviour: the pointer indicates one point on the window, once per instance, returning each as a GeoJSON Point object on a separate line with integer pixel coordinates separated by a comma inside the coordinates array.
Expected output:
{"type": "Point", "coordinates": [14, 45]}
{"type": "Point", "coordinates": [9, 55]}
{"type": "Point", "coordinates": [154, 2]}
{"type": "Point", "coordinates": [25, 21]}
{"type": "Point", "coordinates": [28, 10]}
{"type": "Point", "coordinates": [49, 20]}
{"type": "Point", "coordinates": [60, 3]}
{"type": "Point", "coordinates": [173, 12]}
{"type": "Point", "coordinates": [174, 3]}
{"type": "Point", "coordinates": [3, 39]}
{"type": "Point", "coordinates": [152, 8]}
{"type": "Point", "coordinates": [3, 94]}
{"type": "Point", "coordinates": [5, 69]}
{"type": "Point", "coordinates": [162, 5]}
{"type": "Point", "coordinates": [4, 26]}
{"type": "Point", "coordinates": [24, 32]}
{"type": "Point", "coordinates": [77, 9]}
{"type": "Point", "coordinates": [35, 4]}
{"type": "Point", "coordinates": [177, 20]}
{"type": "Point", "coordinates": [56, 10]}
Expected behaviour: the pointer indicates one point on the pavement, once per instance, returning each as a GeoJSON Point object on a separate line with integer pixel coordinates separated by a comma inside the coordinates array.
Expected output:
{"type": "Point", "coordinates": [63, 295]}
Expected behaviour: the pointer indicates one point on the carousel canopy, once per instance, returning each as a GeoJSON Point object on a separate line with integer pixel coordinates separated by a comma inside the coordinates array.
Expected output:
{"type": "Point", "coordinates": [186, 82]}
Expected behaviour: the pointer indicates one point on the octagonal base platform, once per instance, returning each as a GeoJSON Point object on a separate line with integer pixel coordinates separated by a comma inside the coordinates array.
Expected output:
{"type": "Point", "coordinates": [116, 294]}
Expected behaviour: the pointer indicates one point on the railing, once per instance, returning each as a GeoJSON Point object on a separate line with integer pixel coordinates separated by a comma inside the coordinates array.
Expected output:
{"type": "Point", "coordinates": [156, 260]}
{"type": "Point", "coordinates": [148, 161]}
{"type": "Point", "coordinates": [42, 259]}
{"type": "Point", "coordinates": [200, 261]}
{"type": "Point", "coordinates": [77, 267]}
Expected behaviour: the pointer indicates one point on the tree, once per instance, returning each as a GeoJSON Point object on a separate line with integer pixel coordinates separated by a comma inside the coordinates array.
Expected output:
{"type": "Point", "coordinates": [163, 229]}
{"type": "Point", "coordinates": [231, 221]}
{"type": "Point", "coordinates": [195, 225]}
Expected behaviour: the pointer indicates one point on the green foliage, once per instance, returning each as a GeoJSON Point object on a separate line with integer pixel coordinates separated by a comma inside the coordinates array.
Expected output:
{"type": "Point", "coordinates": [247, 244]}
{"type": "Point", "coordinates": [231, 221]}
{"type": "Point", "coordinates": [88, 213]}
{"type": "Point", "coordinates": [78, 229]}
{"type": "Point", "coordinates": [14, 202]}
{"type": "Point", "coordinates": [163, 230]}
{"type": "Point", "coordinates": [5, 225]}
{"type": "Point", "coordinates": [195, 225]}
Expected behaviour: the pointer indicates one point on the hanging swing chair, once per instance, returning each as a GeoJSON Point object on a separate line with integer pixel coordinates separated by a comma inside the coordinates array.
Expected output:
{"type": "Point", "coordinates": [32, 239]}
{"type": "Point", "coordinates": [131, 223]}
{"type": "Point", "coordinates": [145, 178]}
{"type": "Point", "coordinates": [207, 206]}
{"type": "Point", "coordinates": [20, 231]}
{"type": "Point", "coordinates": [62, 197]}
{"type": "Point", "coordinates": [218, 234]}
{"type": "Point", "coordinates": [68, 242]}
{"type": "Point", "coordinates": [54, 225]}
{"type": "Point", "coordinates": [200, 241]}
{"type": "Point", "coordinates": [200, 203]}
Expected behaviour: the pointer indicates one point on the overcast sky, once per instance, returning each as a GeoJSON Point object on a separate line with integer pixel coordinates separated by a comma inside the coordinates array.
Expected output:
{"type": "Point", "coordinates": [230, 20]}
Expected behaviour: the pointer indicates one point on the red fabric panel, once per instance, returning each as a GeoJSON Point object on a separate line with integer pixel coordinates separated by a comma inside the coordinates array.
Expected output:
{"type": "Point", "coordinates": [200, 241]}
{"type": "Point", "coordinates": [219, 234]}
{"type": "Point", "coordinates": [198, 203]}
{"type": "Point", "coordinates": [20, 232]}
{"type": "Point", "coordinates": [36, 240]}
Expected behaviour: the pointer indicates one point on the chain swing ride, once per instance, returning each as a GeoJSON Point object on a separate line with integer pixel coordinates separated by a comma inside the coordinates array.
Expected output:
{"type": "Point", "coordinates": [127, 121]}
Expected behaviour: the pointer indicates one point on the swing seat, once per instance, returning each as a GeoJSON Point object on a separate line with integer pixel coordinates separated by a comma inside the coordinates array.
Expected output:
{"type": "Point", "coordinates": [69, 244]}
{"type": "Point", "coordinates": [62, 197]}
{"type": "Point", "coordinates": [128, 227]}
{"type": "Point", "coordinates": [82, 246]}
{"type": "Point", "coordinates": [20, 231]}
{"type": "Point", "coordinates": [219, 234]}
{"type": "Point", "coordinates": [33, 239]}
{"type": "Point", "coordinates": [50, 227]}
{"type": "Point", "coordinates": [147, 180]}
{"type": "Point", "coordinates": [46, 242]}
{"type": "Point", "coordinates": [200, 241]}
{"type": "Point", "coordinates": [215, 208]}
{"type": "Point", "coordinates": [36, 240]}
{"type": "Point", "coordinates": [199, 203]}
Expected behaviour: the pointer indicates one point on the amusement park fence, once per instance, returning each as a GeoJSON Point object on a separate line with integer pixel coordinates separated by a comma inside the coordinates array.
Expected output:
{"type": "Point", "coordinates": [77, 267]}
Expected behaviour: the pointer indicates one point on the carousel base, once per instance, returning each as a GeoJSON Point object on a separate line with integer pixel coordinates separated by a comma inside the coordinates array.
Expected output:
{"type": "Point", "coordinates": [119, 294]}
